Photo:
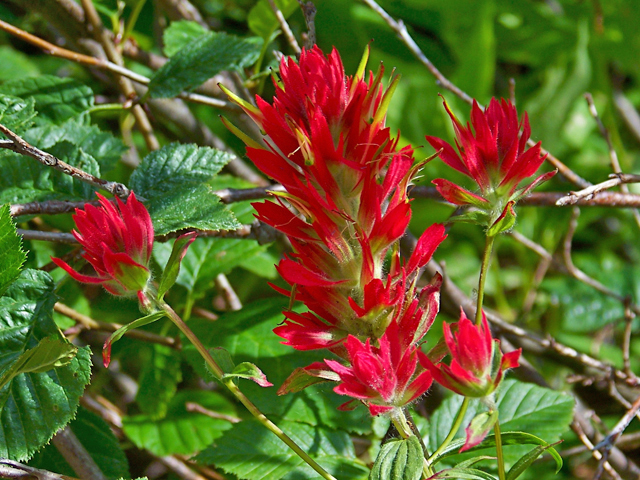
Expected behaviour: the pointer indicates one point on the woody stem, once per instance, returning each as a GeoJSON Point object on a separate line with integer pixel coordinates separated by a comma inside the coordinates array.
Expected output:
{"type": "Point", "coordinates": [233, 388]}
{"type": "Point", "coordinates": [486, 259]}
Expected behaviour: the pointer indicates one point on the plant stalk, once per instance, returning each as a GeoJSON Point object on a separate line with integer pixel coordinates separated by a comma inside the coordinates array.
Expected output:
{"type": "Point", "coordinates": [402, 425]}
{"type": "Point", "coordinates": [486, 259]}
{"type": "Point", "coordinates": [501, 473]}
{"type": "Point", "coordinates": [454, 429]}
{"type": "Point", "coordinates": [233, 388]}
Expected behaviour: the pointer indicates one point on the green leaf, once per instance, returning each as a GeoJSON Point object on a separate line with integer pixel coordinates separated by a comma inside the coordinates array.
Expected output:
{"type": "Point", "coordinates": [249, 371]}
{"type": "Point", "coordinates": [180, 34]}
{"type": "Point", "coordinates": [200, 60]}
{"type": "Point", "coordinates": [24, 179]}
{"type": "Point", "coordinates": [263, 22]}
{"type": "Point", "coordinates": [11, 254]}
{"type": "Point", "coordinates": [399, 459]}
{"type": "Point", "coordinates": [505, 222]}
{"type": "Point", "coordinates": [508, 438]}
{"type": "Point", "coordinates": [251, 452]}
{"type": "Point", "coordinates": [33, 406]}
{"type": "Point", "coordinates": [117, 335]}
{"type": "Point", "coordinates": [159, 379]}
{"type": "Point", "coordinates": [523, 463]}
{"type": "Point", "coordinates": [104, 147]}
{"type": "Point", "coordinates": [174, 182]}
{"type": "Point", "coordinates": [480, 427]}
{"type": "Point", "coordinates": [51, 352]}
{"type": "Point", "coordinates": [458, 473]}
{"type": "Point", "coordinates": [172, 267]}
{"type": "Point", "coordinates": [522, 407]}
{"type": "Point", "coordinates": [56, 99]}
{"type": "Point", "coordinates": [15, 113]}
{"type": "Point", "coordinates": [223, 359]}
{"type": "Point", "coordinates": [96, 437]}
{"type": "Point", "coordinates": [180, 431]}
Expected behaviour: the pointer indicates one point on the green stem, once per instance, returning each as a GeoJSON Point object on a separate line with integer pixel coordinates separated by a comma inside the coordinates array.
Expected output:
{"type": "Point", "coordinates": [402, 425]}
{"type": "Point", "coordinates": [486, 259]}
{"type": "Point", "coordinates": [454, 429]}
{"type": "Point", "coordinates": [501, 473]}
{"type": "Point", "coordinates": [233, 388]}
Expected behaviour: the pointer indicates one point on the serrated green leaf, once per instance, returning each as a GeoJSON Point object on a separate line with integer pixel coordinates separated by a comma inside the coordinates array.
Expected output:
{"type": "Point", "coordinates": [49, 353]}
{"type": "Point", "coordinates": [263, 22]}
{"type": "Point", "coordinates": [524, 407]}
{"type": "Point", "coordinates": [399, 459]}
{"type": "Point", "coordinates": [16, 113]}
{"type": "Point", "coordinates": [179, 34]}
{"type": "Point", "coordinates": [104, 147]}
{"type": "Point", "coordinates": [24, 179]}
{"type": "Point", "coordinates": [251, 452]}
{"type": "Point", "coordinates": [201, 59]}
{"type": "Point", "coordinates": [159, 378]}
{"type": "Point", "coordinates": [11, 254]}
{"type": "Point", "coordinates": [180, 431]}
{"type": "Point", "coordinates": [96, 437]}
{"type": "Point", "coordinates": [174, 182]}
{"type": "Point", "coordinates": [33, 406]}
{"type": "Point", "coordinates": [56, 99]}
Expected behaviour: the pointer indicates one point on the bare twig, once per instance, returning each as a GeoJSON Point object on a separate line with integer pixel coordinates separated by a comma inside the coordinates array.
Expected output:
{"type": "Point", "coordinates": [51, 207]}
{"type": "Point", "coordinates": [19, 471]}
{"type": "Point", "coordinates": [76, 455]}
{"type": "Point", "coordinates": [629, 315]}
{"type": "Point", "coordinates": [577, 428]}
{"type": "Point", "coordinates": [231, 299]}
{"type": "Point", "coordinates": [588, 193]}
{"type": "Point", "coordinates": [196, 407]}
{"type": "Point", "coordinates": [126, 87]}
{"type": "Point", "coordinates": [232, 195]}
{"type": "Point", "coordinates": [56, 237]}
{"type": "Point", "coordinates": [284, 26]}
{"type": "Point", "coordinates": [400, 29]}
{"type": "Point", "coordinates": [628, 112]}
{"type": "Point", "coordinates": [309, 12]}
{"type": "Point", "coordinates": [89, 323]}
{"type": "Point", "coordinates": [18, 145]}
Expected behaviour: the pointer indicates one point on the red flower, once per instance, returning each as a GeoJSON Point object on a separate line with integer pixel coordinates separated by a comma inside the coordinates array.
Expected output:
{"type": "Point", "coordinates": [494, 154]}
{"type": "Point", "coordinates": [117, 242]}
{"type": "Point", "coordinates": [382, 377]}
{"type": "Point", "coordinates": [477, 364]}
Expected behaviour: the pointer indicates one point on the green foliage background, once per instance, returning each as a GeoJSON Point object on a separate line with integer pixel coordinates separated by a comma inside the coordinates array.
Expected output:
{"type": "Point", "coordinates": [554, 50]}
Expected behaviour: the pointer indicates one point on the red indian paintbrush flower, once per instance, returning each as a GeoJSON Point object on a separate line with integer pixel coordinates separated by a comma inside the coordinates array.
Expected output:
{"type": "Point", "coordinates": [347, 181]}
{"type": "Point", "coordinates": [494, 154]}
{"type": "Point", "coordinates": [384, 377]}
{"type": "Point", "coordinates": [117, 242]}
{"type": "Point", "coordinates": [477, 364]}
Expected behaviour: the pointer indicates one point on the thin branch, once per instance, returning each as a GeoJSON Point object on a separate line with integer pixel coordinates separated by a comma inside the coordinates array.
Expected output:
{"type": "Point", "coordinates": [224, 287]}
{"type": "Point", "coordinates": [56, 237]}
{"type": "Point", "coordinates": [575, 426]}
{"type": "Point", "coordinates": [628, 112]}
{"type": "Point", "coordinates": [284, 26]}
{"type": "Point", "coordinates": [232, 195]}
{"type": "Point", "coordinates": [18, 471]}
{"type": "Point", "coordinates": [76, 455]}
{"type": "Point", "coordinates": [18, 145]}
{"type": "Point", "coordinates": [89, 323]}
{"type": "Point", "coordinates": [309, 12]}
{"type": "Point", "coordinates": [125, 84]}
{"type": "Point", "coordinates": [629, 315]}
{"type": "Point", "coordinates": [615, 179]}
{"type": "Point", "coordinates": [51, 207]}
{"type": "Point", "coordinates": [196, 407]}
{"type": "Point", "coordinates": [400, 29]}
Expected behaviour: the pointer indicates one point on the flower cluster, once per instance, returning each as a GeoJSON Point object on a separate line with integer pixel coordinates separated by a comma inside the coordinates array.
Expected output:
{"type": "Point", "coordinates": [494, 154]}
{"type": "Point", "coordinates": [344, 210]}
{"type": "Point", "coordinates": [347, 180]}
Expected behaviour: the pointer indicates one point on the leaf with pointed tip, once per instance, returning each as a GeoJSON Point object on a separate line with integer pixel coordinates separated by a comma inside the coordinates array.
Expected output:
{"type": "Point", "coordinates": [172, 268]}
{"type": "Point", "coordinates": [200, 60]}
{"type": "Point", "coordinates": [458, 473]}
{"type": "Point", "coordinates": [34, 405]}
{"type": "Point", "coordinates": [117, 335]}
{"type": "Point", "coordinates": [523, 462]}
{"type": "Point", "coordinates": [11, 254]}
{"type": "Point", "coordinates": [249, 371]}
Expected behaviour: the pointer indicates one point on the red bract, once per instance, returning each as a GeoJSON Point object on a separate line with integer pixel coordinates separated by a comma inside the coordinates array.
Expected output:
{"type": "Point", "coordinates": [493, 153]}
{"type": "Point", "coordinates": [117, 242]}
{"type": "Point", "coordinates": [347, 181]}
{"type": "Point", "coordinates": [383, 377]}
{"type": "Point", "coordinates": [477, 364]}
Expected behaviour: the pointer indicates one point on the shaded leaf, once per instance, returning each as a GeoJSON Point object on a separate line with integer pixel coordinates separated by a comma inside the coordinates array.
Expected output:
{"type": "Point", "coordinates": [16, 113]}
{"type": "Point", "coordinates": [399, 459]}
{"type": "Point", "coordinates": [11, 254]}
{"type": "Point", "coordinates": [200, 60]}
{"type": "Point", "coordinates": [161, 373]}
{"type": "Point", "coordinates": [179, 34]}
